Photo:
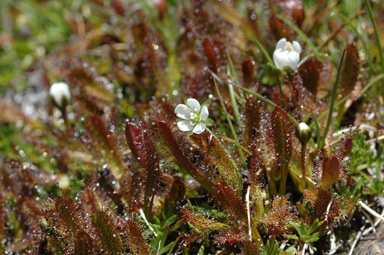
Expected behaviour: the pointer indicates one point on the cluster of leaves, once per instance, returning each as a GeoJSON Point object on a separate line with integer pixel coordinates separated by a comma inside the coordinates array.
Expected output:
{"type": "Point", "coordinates": [126, 180]}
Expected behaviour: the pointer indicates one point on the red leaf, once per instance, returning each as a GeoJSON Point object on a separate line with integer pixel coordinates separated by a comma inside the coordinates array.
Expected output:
{"type": "Point", "coordinates": [247, 69]}
{"type": "Point", "coordinates": [282, 134]}
{"type": "Point", "coordinates": [350, 70]}
{"type": "Point", "coordinates": [183, 159]}
{"type": "Point", "coordinates": [331, 171]}
{"type": "Point", "coordinates": [136, 241]}
{"type": "Point", "coordinates": [134, 138]}
{"type": "Point", "coordinates": [310, 72]}
{"type": "Point", "coordinates": [161, 6]}
{"type": "Point", "coordinates": [210, 53]}
{"type": "Point", "coordinates": [252, 122]}
{"type": "Point", "coordinates": [231, 202]}
{"type": "Point", "coordinates": [279, 29]}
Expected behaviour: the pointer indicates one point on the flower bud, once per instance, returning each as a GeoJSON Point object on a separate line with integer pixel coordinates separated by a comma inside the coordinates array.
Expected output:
{"type": "Point", "coordinates": [303, 132]}
{"type": "Point", "coordinates": [59, 94]}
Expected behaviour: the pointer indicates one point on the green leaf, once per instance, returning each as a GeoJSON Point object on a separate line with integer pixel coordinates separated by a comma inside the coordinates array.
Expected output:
{"type": "Point", "coordinates": [314, 226]}
{"type": "Point", "coordinates": [166, 248]}
{"type": "Point", "coordinates": [294, 237]}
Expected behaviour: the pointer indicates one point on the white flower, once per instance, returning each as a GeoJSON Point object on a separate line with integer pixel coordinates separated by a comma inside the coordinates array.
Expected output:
{"type": "Point", "coordinates": [193, 117]}
{"type": "Point", "coordinates": [286, 54]}
{"type": "Point", "coordinates": [59, 93]}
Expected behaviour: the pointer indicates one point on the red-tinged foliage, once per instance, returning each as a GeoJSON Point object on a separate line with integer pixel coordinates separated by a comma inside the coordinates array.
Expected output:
{"type": "Point", "coordinates": [110, 238]}
{"type": "Point", "coordinates": [181, 157]}
{"type": "Point", "coordinates": [83, 244]}
{"type": "Point", "coordinates": [106, 145]}
{"type": "Point", "coordinates": [230, 237]}
{"type": "Point", "coordinates": [217, 155]}
{"type": "Point", "coordinates": [279, 29]}
{"type": "Point", "coordinates": [247, 69]}
{"type": "Point", "coordinates": [139, 32]}
{"type": "Point", "coordinates": [2, 223]}
{"type": "Point", "coordinates": [136, 242]}
{"type": "Point", "coordinates": [297, 11]}
{"type": "Point", "coordinates": [205, 224]}
{"type": "Point", "coordinates": [68, 212]}
{"type": "Point", "coordinates": [134, 139]}
{"type": "Point", "coordinates": [161, 6]}
{"type": "Point", "coordinates": [282, 135]}
{"type": "Point", "coordinates": [252, 120]}
{"type": "Point", "coordinates": [231, 202]}
{"type": "Point", "coordinates": [118, 7]}
{"type": "Point", "coordinates": [276, 220]}
{"type": "Point", "coordinates": [329, 207]}
{"type": "Point", "coordinates": [177, 190]}
{"type": "Point", "coordinates": [310, 72]}
{"type": "Point", "coordinates": [330, 173]}
{"type": "Point", "coordinates": [249, 248]}
{"type": "Point", "coordinates": [210, 53]}
{"type": "Point", "coordinates": [351, 69]}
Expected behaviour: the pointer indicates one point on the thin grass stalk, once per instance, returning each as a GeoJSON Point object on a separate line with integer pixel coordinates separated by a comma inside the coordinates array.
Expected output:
{"type": "Point", "coordinates": [333, 99]}
{"type": "Point", "coordinates": [377, 37]}
{"type": "Point", "coordinates": [230, 123]}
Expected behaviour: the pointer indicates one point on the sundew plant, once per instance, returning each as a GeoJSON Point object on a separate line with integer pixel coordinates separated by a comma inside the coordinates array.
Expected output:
{"type": "Point", "coordinates": [190, 127]}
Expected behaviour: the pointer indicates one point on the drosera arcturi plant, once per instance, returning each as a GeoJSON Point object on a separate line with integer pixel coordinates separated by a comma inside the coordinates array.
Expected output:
{"type": "Point", "coordinates": [134, 179]}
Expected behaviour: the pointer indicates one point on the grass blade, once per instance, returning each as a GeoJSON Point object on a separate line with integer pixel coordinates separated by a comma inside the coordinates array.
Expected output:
{"type": "Point", "coordinates": [333, 99]}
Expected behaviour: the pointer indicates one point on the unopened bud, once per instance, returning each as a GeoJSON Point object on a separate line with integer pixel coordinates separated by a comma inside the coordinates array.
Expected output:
{"type": "Point", "coordinates": [303, 132]}
{"type": "Point", "coordinates": [59, 94]}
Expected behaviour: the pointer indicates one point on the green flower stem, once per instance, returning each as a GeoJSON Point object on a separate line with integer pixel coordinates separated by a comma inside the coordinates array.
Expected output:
{"type": "Point", "coordinates": [367, 3]}
{"type": "Point", "coordinates": [333, 99]}
{"type": "Point", "coordinates": [230, 123]}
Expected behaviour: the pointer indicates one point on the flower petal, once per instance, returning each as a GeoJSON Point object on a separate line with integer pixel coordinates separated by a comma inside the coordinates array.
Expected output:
{"type": "Point", "coordinates": [183, 111]}
{"type": "Point", "coordinates": [296, 46]}
{"type": "Point", "coordinates": [279, 57]}
{"type": "Point", "coordinates": [193, 104]}
{"type": "Point", "coordinates": [281, 43]}
{"type": "Point", "coordinates": [185, 125]}
{"type": "Point", "coordinates": [293, 59]}
{"type": "Point", "coordinates": [204, 113]}
{"type": "Point", "coordinates": [199, 128]}
{"type": "Point", "coordinates": [59, 91]}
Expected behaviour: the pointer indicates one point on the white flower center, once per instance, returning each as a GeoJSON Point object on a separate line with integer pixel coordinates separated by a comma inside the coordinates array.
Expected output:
{"type": "Point", "coordinates": [194, 117]}
{"type": "Point", "coordinates": [288, 48]}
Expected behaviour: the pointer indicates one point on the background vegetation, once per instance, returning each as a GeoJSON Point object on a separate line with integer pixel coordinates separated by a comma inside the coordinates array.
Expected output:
{"type": "Point", "coordinates": [114, 175]}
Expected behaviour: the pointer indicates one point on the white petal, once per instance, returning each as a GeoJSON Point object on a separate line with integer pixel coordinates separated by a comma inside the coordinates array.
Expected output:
{"type": "Point", "coordinates": [279, 58]}
{"type": "Point", "coordinates": [276, 58]}
{"type": "Point", "coordinates": [59, 91]}
{"type": "Point", "coordinates": [204, 113]}
{"type": "Point", "coordinates": [281, 43]}
{"type": "Point", "coordinates": [293, 59]}
{"type": "Point", "coordinates": [185, 125]}
{"type": "Point", "coordinates": [193, 104]}
{"type": "Point", "coordinates": [199, 128]}
{"type": "Point", "coordinates": [183, 111]}
{"type": "Point", "coordinates": [296, 46]}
